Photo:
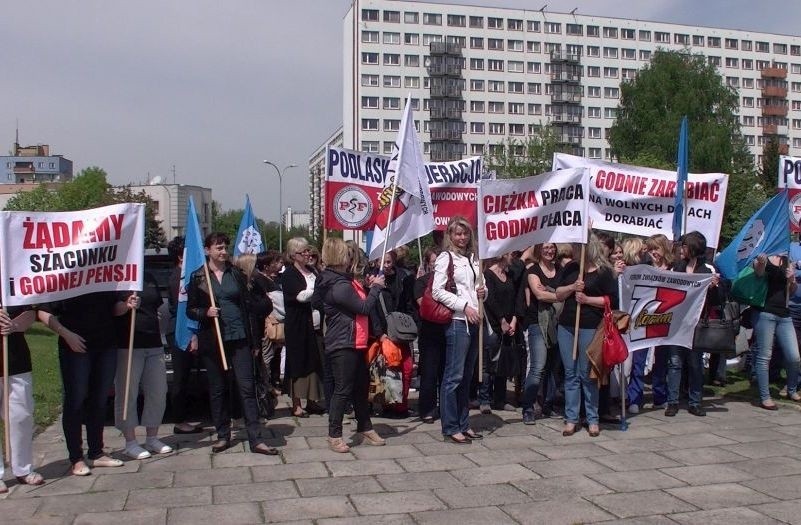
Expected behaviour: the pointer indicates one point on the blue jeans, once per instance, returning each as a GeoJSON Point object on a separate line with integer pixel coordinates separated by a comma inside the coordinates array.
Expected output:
{"type": "Point", "coordinates": [766, 326]}
{"type": "Point", "coordinates": [636, 378]}
{"type": "Point", "coordinates": [461, 353]}
{"type": "Point", "coordinates": [537, 355]}
{"type": "Point", "coordinates": [695, 374]}
{"type": "Point", "coordinates": [87, 378]}
{"type": "Point", "coordinates": [577, 375]}
{"type": "Point", "coordinates": [659, 375]}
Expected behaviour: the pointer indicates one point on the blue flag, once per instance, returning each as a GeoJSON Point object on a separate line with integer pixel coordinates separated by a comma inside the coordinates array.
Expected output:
{"type": "Point", "coordinates": [248, 237]}
{"type": "Point", "coordinates": [767, 231]}
{"type": "Point", "coordinates": [681, 179]}
{"type": "Point", "coordinates": [194, 258]}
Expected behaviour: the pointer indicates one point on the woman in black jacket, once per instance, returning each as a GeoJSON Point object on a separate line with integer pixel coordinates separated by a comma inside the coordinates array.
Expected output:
{"type": "Point", "coordinates": [238, 310]}
{"type": "Point", "coordinates": [346, 308]}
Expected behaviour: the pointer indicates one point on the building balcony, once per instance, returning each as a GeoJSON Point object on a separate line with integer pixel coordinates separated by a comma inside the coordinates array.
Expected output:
{"type": "Point", "coordinates": [443, 48]}
{"type": "Point", "coordinates": [444, 154]}
{"type": "Point", "coordinates": [565, 76]}
{"type": "Point", "coordinates": [774, 111]}
{"type": "Point", "coordinates": [446, 135]}
{"type": "Point", "coordinates": [774, 72]}
{"type": "Point", "coordinates": [566, 118]}
{"type": "Point", "coordinates": [446, 91]}
{"type": "Point", "coordinates": [773, 129]}
{"type": "Point", "coordinates": [453, 70]}
{"type": "Point", "coordinates": [565, 97]}
{"type": "Point", "coordinates": [445, 113]}
{"type": "Point", "coordinates": [568, 139]}
{"type": "Point", "coordinates": [563, 56]}
{"type": "Point", "coordinates": [774, 91]}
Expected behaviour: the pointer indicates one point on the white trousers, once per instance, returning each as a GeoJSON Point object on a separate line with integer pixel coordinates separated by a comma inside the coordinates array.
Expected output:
{"type": "Point", "coordinates": [20, 396]}
{"type": "Point", "coordinates": [148, 371]}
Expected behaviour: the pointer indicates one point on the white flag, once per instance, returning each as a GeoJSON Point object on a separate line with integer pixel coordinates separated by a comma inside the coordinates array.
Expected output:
{"type": "Point", "coordinates": [413, 214]}
{"type": "Point", "coordinates": [665, 306]}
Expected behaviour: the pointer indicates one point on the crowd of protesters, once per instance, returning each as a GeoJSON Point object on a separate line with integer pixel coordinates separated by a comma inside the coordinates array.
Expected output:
{"type": "Point", "coordinates": [331, 314]}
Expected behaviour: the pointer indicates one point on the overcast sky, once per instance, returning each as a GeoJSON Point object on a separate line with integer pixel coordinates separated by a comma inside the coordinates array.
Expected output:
{"type": "Point", "coordinates": [214, 88]}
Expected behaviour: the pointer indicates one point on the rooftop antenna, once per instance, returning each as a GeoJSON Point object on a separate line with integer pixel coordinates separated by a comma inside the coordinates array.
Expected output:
{"type": "Point", "coordinates": [542, 9]}
{"type": "Point", "coordinates": [173, 173]}
{"type": "Point", "coordinates": [573, 12]}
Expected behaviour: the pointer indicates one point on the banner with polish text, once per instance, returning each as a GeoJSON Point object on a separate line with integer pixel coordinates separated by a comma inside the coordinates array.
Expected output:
{"type": "Point", "coordinates": [640, 201]}
{"type": "Point", "coordinates": [664, 306]}
{"type": "Point", "coordinates": [50, 256]}
{"type": "Point", "coordinates": [790, 178]}
{"type": "Point", "coordinates": [514, 214]}
{"type": "Point", "coordinates": [354, 181]}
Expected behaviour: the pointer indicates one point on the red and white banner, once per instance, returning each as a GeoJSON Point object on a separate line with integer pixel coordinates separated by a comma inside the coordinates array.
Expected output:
{"type": "Point", "coordinates": [354, 182]}
{"type": "Point", "coordinates": [665, 306]}
{"type": "Point", "coordinates": [640, 201]}
{"type": "Point", "coordinates": [790, 178]}
{"type": "Point", "coordinates": [515, 214]}
{"type": "Point", "coordinates": [50, 256]}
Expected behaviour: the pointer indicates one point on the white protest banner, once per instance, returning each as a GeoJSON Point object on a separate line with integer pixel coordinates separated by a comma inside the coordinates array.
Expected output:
{"type": "Point", "coordinates": [50, 256]}
{"type": "Point", "coordinates": [640, 201]}
{"type": "Point", "coordinates": [665, 306]}
{"type": "Point", "coordinates": [514, 214]}
{"type": "Point", "coordinates": [354, 181]}
{"type": "Point", "coordinates": [790, 178]}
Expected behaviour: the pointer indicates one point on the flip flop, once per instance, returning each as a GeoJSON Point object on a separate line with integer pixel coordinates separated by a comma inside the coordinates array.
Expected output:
{"type": "Point", "coordinates": [34, 478]}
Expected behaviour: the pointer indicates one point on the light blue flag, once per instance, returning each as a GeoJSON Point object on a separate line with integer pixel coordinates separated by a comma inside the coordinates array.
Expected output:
{"type": "Point", "coordinates": [681, 179]}
{"type": "Point", "coordinates": [194, 258]}
{"type": "Point", "coordinates": [767, 231]}
{"type": "Point", "coordinates": [248, 238]}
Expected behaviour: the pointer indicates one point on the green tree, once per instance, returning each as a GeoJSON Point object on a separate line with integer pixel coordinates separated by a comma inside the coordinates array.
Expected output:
{"type": "Point", "coordinates": [769, 168]}
{"type": "Point", "coordinates": [678, 83]}
{"type": "Point", "coordinates": [227, 221]}
{"type": "Point", "coordinates": [515, 158]}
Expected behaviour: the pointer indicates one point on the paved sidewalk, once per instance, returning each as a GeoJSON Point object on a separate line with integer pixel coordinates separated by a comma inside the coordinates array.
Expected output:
{"type": "Point", "coordinates": [740, 464]}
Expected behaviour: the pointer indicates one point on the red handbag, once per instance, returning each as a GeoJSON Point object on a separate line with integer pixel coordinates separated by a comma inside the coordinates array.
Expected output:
{"type": "Point", "coordinates": [614, 347]}
{"type": "Point", "coordinates": [432, 310]}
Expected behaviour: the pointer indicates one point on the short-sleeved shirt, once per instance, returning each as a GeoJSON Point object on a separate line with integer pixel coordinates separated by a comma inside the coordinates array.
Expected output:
{"type": "Point", "coordinates": [91, 316]}
{"type": "Point", "coordinates": [19, 355]}
{"type": "Point", "coordinates": [596, 284]}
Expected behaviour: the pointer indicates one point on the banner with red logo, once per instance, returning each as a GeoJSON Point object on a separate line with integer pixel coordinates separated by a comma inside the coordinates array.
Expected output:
{"type": "Point", "coordinates": [665, 306]}
{"type": "Point", "coordinates": [790, 178]}
{"type": "Point", "coordinates": [354, 184]}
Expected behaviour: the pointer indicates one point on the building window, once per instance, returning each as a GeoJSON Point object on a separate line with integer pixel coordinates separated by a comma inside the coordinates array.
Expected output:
{"type": "Point", "coordinates": [477, 22]}
{"type": "Point", "coordinates": [748, 121]}
{"type": "Point", "coordinates": [554, 28]}
{"type": "Point", "coordinates": [698, 40]}
{"type": "Point", "coordinates": [645, 55]}
{"type": "Point", "coordinates": [494, 23]}
{"type": "Point", "coordinates": [477, 106]}
{"type": "Point", "coordinates": [594, 133]}
{"type": "Point", "coordinates": [517, 129]}
{"type": "Point", "coordinates": [370, 80]}
{"type": "Point", "coordinates": [494, 65]}
{"type": "Point", "coordinates": [574, 29]}
{"type": "Point", "coordinates": [391, 38]}
{"type": "Point", "coordinates": [534, 88]}
{"type": "Point", "coordinates": [495, 44]}
{"type": "Point", "coordinates": [392, 81]}
{"type": "Point", "coordinates": [681, 39]}
{"type": "Point", "coordinates": [391, 59]}
{"type": "Point", "coordinates": [477, 127]}
{"type": "Point", "coordinates": [476, 42]}
{"type": "Point", "coordinates": [497, 128]}
{"type": "Point", "coordinates": [427, 39]}
{"type": "Point", "coordinates": [762, 47]}
{"type": "Point", "coordinates": [796, 105]}
{"type": "Point", "coordinates": [594, 31]}
{"type": "Point", "coordinates": [514, 24]}
{"type": "Point", "coordinates": [762, 64]}
{"type": "Point", "coordinates": [514, 66]}
{"type": "Point", "coordinates": [392, 16]}
{"type": "Point", "coordinates": [476, 149]}
{"type": "Point", "coordinates": [515, 87]}
{"type": "Point", "coordinates": [748, 83]}
{"type": "Point", "coordinates": [610, 92]}
{"type": "Point", "coordinates": [593, 51]}
{"type": "Point", "coordinates": [370, 124]}
{"type": "Point", "coordinates": [515, 45]}
{"type": "Point", "coordinates": [534, 67]}
{"type": "Point", "coordinates": [732, 62]}
{"type": "Point", "coordinates": [533, 47]}
{"type": "Point", "coordinates": [533, 26]}
{"type": "Point", "coordinates": [495, 107]}
{"type": "Point", "coordinates": [593, 71]}
{"type": "Point", "coordinates": [610, 72]}
{"type": "Point", "coordinates": [456, 20]}
{"type": "Point", "coordinates": [662, 38]}
{"type": "Point", "coordinates": [713, 41]}
{"type": "Point", "coordinates": [795, 68]}
{"type": "Point", "coordinates": [593, 112]}
{"type": "Point", "coordinates": [610, 112]}
{"type": "Point", "coordinates": [627, 34]}
{"type": "Point", "coordinates": [369, 58]}
{"type": "Point", "coordinates": [369, 15]}
{"type": "Point", "coordinates": [370, 37]}
{"type": "Point", "coordinates": [628, 54]}
{"type": "Point", "coordinates": [391, 102]}
{"type": "Point", "coordinates": [411, 82]}
{"type": "Point", "coordinates": [780, 49]}
{"type": "Point", "coordinates": [369, 102]}
{"type": "Point", "coordinates": [628, 74]}
{"type": "Point", "coordinates": [595, 153]}
{"type": "Point", "coordinates": [432, 19]}
{"type": "Point", "coordinates": [411, 18]}
{"type": "Point", "coordinates": [477, 64]}
{"type": "Point", "coordinates": [731, 43]}
{"type": "Point", "coordinates": [495, 86]}
{"type": "Point", "coordinates": [748, 63]}
{"type": "Point", "coordinates": [391, 124]}
{"type": "Point", "coordinates": [610, 52]}
{"type": "Point", "coordinates": [370, 146]}
{"type": "Point", "coordinates": [476, 85]}
{"type": "Point", "coordinates": [551, 47]}
{"type": "Point", "coordinates": [745, 45]}
{"type": "Point", "coordinates": [411, 60]}
{"type": "Point", "coordinates": [610, 32]}
{"type": "Point", "coordinates": [795, 50]}
{"type": "Point", "coordinates": [714, 61]}
{"type": "Point", "coordinates": [573, 49]}
{"type": "Point", "coordinates": [535, 109]}
{"type": "Point", "coordinates": [593, 91]}
{"type": "Point", "coordinates": [411, 39]}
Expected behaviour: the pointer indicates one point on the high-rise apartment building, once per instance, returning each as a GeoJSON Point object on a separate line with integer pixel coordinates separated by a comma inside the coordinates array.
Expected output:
{"type": "Point", "coordinates": [478, 75]}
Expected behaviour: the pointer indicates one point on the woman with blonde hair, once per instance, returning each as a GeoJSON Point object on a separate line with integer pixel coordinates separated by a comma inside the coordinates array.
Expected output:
{"type": "Point", "coordinates": [658, 249]}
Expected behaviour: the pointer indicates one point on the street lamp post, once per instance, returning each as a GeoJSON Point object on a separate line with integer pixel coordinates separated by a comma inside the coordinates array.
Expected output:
{"type": "Point", "coordinates": [280, 204]}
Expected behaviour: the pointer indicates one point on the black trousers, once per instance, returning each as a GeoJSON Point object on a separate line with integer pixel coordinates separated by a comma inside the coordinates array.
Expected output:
{"type": "Point", "coordinates": [432, 357]}
{"type": "Point", "coordinates": [240, 361]}
{"type": "Point", "coordinates": [182, 363]}
{"type": "Point", "coordinates": [351, 383]}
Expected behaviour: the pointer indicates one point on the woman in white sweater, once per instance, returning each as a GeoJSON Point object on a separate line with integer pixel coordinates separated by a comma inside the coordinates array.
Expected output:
{"type": "Point", "coordinates": [461, 336]}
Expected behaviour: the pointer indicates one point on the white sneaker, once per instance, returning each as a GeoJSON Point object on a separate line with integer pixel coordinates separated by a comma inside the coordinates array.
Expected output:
{"type": "Point", "coordinates": [634, 409]}
{"type": "Point", "coordinates": [135, 451]}
{"type": "Point", "coordinates": [156, 446]}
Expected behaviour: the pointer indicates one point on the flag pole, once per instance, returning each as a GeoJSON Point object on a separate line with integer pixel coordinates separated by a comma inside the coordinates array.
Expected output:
{"type": "Point", "coordinates": [420, 251]}
{"type": "Point", "coordinates": [6, 405]}
{"type": "Point", "coordinates": [389, 218]}
{"type": "Point", "coordinates": [128, 365]}
{"type": "Point", "coordinates": [216, 319]}
{"type": "Point", "coordinates": [624, 425]}
{"type": "Point", "coordinates": [480, 277]}
{"type": "Point", "coordinates": [578, 306]}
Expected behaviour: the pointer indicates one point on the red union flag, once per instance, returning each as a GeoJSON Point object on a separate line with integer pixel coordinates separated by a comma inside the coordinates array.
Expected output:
{"type": "Point", "coordinates": [664, 306]}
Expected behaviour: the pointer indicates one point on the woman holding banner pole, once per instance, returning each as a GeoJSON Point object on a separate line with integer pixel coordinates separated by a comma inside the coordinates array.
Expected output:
{"type": "Point", "coordinates": [585, 294]}
{"type": "Point", "coordinates": [461, 336]}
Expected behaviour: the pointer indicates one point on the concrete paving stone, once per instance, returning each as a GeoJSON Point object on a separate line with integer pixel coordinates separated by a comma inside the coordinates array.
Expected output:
{"type": "Point", "coordinates": [680, 428]}
{"type": "Point", "coordinates": [17, 509]}
{"type": "Point", "coordinates": [730, 516]}
{"type": "Point", "coordinates": [708, 474]}
{"type": "Point", "coordinates": [170, 497]}
{"type": "Point", "coordinates": [561, 488]}
{"type": "Point", "coordinates": [627, 446]}
{"type": "Point", "coordinates": [46, 520]}
{"type": "Point", "coordinates": [704, 439]}
{"type": "Point", "coordinates": [363, 467]}
{"type": "Point", "coordinates": [179, 462]}
{"type": "Point", "coordinates": [741, 423]}
{"type": "Point", "coordinates": [433, 463]}
{"type": "Point", "coordinates": [288, 442]}
{"type": "Point", "coordinates": [642, 520]}
{"type": "Point", "coordinates": [566, 467]}
{"type": "Point", "coordinates": [315, 454]}
{"type": "Point", "coordinates": [411, 501]}
{"type": "Point", "coordinates": [580, 450]}
{"type": "Point", "coordinates": [613, 432]}
{"type": "Point", "coordinates": [438, 449]}
{"type": "Point", "coordinates": [246, 459]}
{"type": "Point", "coordinates": [54, 487]}
{"type": "Point", "coordinates": [125, 517]}
{"type": "Point", "coordinates": [138, 480]}
{"type": "Point", "coordinates": [386, 519]}
{"type": "Point", "coordinates": [516, 430]}
{"type": "Point", "coordinates": [417, 481]}
{"type": "Point", "coordinates": [481, 496]}
{"type": "Point", "coordinates": [80, 503]}
{"type": "Point", "coordinates": [782, 487]}
{"type": "Point", "coordinates": [748, 435]}
{"type": "Point", "coordinates": [504, 457]}
{"type": "Point", "coordinates": [763, 449]}
{"type": "Point", "coordinates": [294, 471]}
{"type": "Point", "coordinates": [637, 480]}
{"type": "Point", "coordinates": [770, 467]}
{"type": "Point", "coordinates": [702, 456]}
{"type": "Point", "coordinates": [566, 511]}
{"type": "Point", "coordinates": [784, 511]}
{"type": "Point", "coordinates": [479, 516]}
{"type": "Point", "coordinates": [264, 491]}
{"type": "Point", "coordinates": [644, 503]}
{"type": "Point", "coordinates": [338, 486]}
{"type": "Point", "coordinates": [388, 451]}
{"type": "Point", "coordinates": [307, 508]}
{"type": "Point", "coordinates": [218, 513]}
{"type": "Point", "coordinates": [303, 431]}
{"type": "Point", "coordinates": [782, 417]}
{"type": "Point", "coordinates": [512, 442]}
{"type": "Point", "coordinates": [411, 438]}
{"type": "Point", "coordinates": [493, 474]}
{"type": "Point", "coordinates": [790, 430]}
{"type": "Point", "coordinates": [215, 476]}
{"type": "Point", "coordinates": [636, 461]}
{"type": "Point", "coordinates": [720, 496]}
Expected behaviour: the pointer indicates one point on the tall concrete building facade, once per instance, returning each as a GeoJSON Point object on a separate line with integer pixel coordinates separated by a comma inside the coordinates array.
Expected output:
{"type": "Point", "coordinates": [479, 75]}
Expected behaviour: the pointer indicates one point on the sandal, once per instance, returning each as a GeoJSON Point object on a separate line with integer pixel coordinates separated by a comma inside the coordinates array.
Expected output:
{"type": "Point", "coordinates": [569, 429]}
{"type": "Point", "coordinates": [3, 487]}
{"type": "Point", "coordinates": [795, 397]}
{"type": "Point", "coordinates": [338, 445]}
{"type": "Point", "coordinates": [34, 478]}
{"type": "Point", "coordinates": [594, 430]}
{"type": "Point", "coordinates": [105, 461]}
{"type": "Point", "coordinates": [80, 468]}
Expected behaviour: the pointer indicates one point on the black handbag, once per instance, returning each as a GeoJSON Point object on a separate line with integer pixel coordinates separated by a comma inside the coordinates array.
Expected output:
{"type": "Point", "coordinates": [507, 358]}
{"type": "Point", "coordinates": [717, 336]}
